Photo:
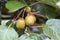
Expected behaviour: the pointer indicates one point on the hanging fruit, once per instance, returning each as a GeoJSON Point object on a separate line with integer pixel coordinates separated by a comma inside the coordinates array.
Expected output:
{"type": "Point", "coordinates": [20, 24]}
{"type": "Point", "coordinates": [28, 9]}
{"type": "Point", "coordinates": [30, 19]}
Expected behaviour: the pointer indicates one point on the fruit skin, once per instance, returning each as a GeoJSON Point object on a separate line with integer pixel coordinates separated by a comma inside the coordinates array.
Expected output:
{"type": "Point", "coordinates": [20, 24]}
{"type": "Point", "coordinates": [30, 19]}
{"type": "Point", "coordinates": [32, 36]}
{"type": "Point", "coordinates": [28, 9]}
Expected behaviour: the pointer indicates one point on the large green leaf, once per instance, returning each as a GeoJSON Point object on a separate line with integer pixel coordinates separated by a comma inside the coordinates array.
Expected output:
{"type": "Point", "coordinates": [45, 10]}
{"type": "Point", "coordinates": [32, 36]}
{"type": "Point", "coordinates": [54, 3]}
{"type": "Point", "coordinates": [7, 34]}
{"type": "Point", "coordinates": [52, 29]}
{"type": "Point", "coordinates": [13, 6]}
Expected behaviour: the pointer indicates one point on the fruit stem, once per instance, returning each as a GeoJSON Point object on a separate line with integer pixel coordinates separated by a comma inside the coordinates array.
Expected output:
{"type": "Point", "coordinates": [27, 31]}
{"type": "Point", "coordinates": [23, 13]}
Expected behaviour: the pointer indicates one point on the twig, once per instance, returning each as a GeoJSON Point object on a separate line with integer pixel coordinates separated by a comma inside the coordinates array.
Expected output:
{"type": "Point", "coordinates": [37, 26]}
{"type": "Point", "coordinates": [27, 31]}
{"type": "Point", "coordinates": [30, 4]}
{"type": "Point", "coordinates": [14, 19]}
{"type": "Point", "coordinates": [33, 4]}
{"type": "Point", "coordinates": [36, 13]}
{"type": "Point", "coordinates": [24, 2]}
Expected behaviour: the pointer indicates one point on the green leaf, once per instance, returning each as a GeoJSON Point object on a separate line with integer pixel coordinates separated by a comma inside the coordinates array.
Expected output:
{"type": "Point", "coordinates": [54, 3]}
{"type": "Point", "coordinates": [13, 6]}
{"type": "Point", "coordinates": [8, 34]}
{"type": "Point", "coordinates": [32, 36]}
{"type": "Point", "coordinates": [52, 29]}
{"type": "Point", "coordinates": [45, 10]}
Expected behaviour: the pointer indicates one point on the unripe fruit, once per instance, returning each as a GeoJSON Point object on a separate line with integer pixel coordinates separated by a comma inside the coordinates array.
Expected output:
{"type": "Point", "coordinates": [30, 19]}
{"type": "Point", "coordinates": [28, 9]}
{"type": "Point", "coordinates": [20, 24]}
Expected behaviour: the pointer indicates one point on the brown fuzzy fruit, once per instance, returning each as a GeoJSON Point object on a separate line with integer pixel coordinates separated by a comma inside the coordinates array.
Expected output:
{"type": "Point", "coordinates": [20, 24]}
{"type": "Point", "coordinates": [30, 19]}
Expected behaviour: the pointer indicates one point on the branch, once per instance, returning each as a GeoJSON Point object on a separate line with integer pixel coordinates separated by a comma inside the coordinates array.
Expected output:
{"type": "Point", "coordinates": [40, 15]}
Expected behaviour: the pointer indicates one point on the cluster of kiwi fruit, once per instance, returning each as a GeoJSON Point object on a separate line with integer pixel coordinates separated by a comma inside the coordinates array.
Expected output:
{"type": "Point", "coordinates": [29, 20]}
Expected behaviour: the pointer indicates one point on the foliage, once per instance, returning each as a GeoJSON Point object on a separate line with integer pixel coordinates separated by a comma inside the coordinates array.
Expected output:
{"type": "Point", "coordinates": [54, 3]}
{"type": "Point", "coordinates": [14, 5]}
{"type": "Point", "coordinates": [8, 34]}
{"type": "Point", "coordinates": [52, 28]}
{"type": "Point", "coordinates": [45, 11]}
{"type": "Point", "coordinates": [32, 36]}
